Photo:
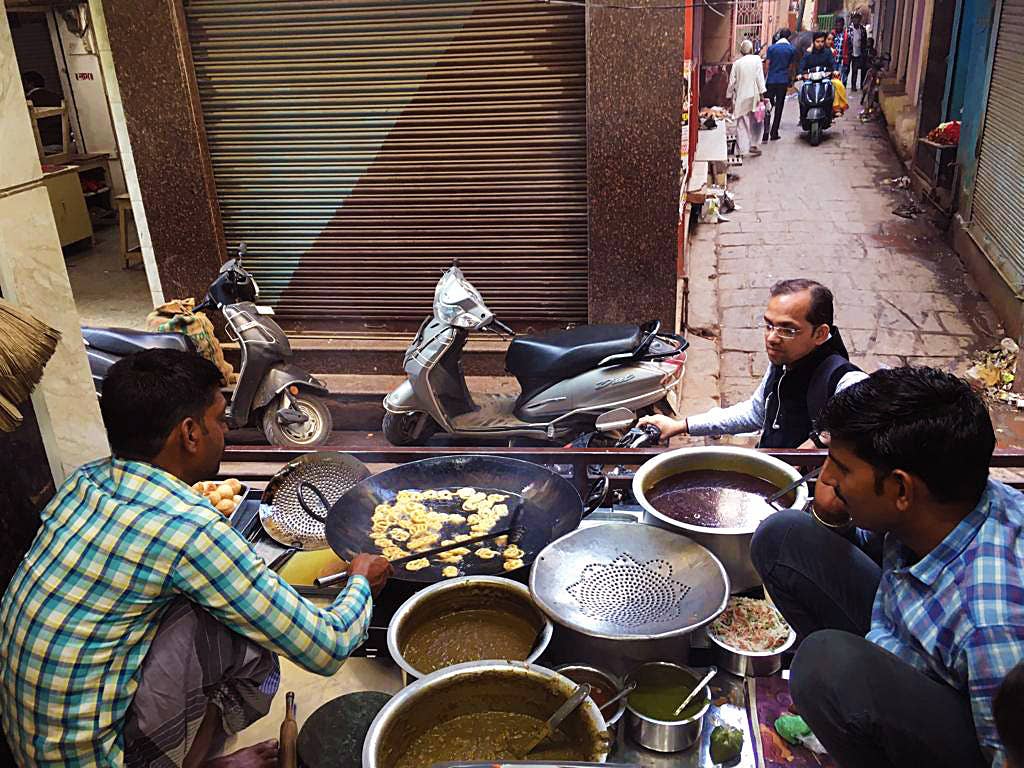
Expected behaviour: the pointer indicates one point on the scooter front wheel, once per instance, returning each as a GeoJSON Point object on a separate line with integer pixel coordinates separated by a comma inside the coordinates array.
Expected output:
{"type": "Point", "coordinates": [315, 430]}
{"type": "Point", "coordinates": [404, 428]}
{"type": "Point", "coordinates": [815, 134]}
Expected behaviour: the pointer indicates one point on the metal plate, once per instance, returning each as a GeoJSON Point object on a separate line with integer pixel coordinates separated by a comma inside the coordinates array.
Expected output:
{"type": "Point", "coordinates": [627, 581]}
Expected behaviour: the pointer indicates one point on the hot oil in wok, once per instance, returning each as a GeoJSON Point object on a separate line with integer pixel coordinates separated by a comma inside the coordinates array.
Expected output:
{"type": "Point", "coordinates": [713, 498]}
{"type": "Point", "coordinates": [484, 736]}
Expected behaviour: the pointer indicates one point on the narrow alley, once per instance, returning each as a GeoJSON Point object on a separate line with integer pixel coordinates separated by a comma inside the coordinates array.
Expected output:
{"type": "Point", "coordinates": [902, 295]}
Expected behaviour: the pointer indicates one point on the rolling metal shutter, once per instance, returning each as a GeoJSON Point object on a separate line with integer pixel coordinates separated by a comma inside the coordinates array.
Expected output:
{"type": "Point", "coordinates": [997, 215]}
{"type": "Point", "coordinates": [359, 147]}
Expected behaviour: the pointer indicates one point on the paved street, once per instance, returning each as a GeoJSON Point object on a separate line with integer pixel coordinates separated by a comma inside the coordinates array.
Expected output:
{"type": "Point", "coordinates": [902, 295]}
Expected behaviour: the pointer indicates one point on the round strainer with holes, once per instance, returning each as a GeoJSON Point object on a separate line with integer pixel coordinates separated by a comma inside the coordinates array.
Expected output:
{"type": "Point", "coordinates": [331, 474]}
{"type": "Point", "coordinates": [628, 581]}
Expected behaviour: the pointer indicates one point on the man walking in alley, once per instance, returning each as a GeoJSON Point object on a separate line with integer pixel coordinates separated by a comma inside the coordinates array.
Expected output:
{"type": "Point", "coordinates": [856, 51]}
{"type": "Point", "coordinates": [780, 56]}
{"type": "Point", "coordinates": [141, 628]}
{"type": "Point", "coordinates": [839, 51]}
{"type": "Point", "coordinates": [808, 365]}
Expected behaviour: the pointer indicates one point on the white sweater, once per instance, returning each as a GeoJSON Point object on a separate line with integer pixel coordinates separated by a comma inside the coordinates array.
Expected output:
{"type": "Point", "coordinates": [746, 83]}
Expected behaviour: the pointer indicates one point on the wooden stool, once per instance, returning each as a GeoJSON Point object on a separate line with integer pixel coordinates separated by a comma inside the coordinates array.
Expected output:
{"type": "Point", "coordinates": [124, 210]}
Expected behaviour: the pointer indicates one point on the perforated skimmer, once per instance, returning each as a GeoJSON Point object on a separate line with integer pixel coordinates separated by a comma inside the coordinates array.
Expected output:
{"type": "Point", "coordinates": [283, 518]}
{"type": "Point", "coordinates": [629, 581]}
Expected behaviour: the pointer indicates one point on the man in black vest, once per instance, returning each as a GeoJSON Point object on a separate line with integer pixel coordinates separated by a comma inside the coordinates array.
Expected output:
{"type": "Point", "coordinates": [809, 364]}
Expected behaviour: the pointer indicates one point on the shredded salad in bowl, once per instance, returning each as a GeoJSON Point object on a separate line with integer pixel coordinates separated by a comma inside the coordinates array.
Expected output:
{"type": "Point", "coordinates": [755, 626]}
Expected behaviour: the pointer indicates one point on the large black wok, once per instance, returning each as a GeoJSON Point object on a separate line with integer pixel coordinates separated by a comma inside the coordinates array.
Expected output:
{"type": "Point", "coordinates": [550, 506]}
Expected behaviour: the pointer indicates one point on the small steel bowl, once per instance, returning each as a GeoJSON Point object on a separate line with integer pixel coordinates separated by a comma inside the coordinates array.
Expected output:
{"type": "Point", "coordinates": [749, 663]}
{"type": "Point", "coordinates": [664, 735]}
{"type": "Point", "coordinates": [582, 673]}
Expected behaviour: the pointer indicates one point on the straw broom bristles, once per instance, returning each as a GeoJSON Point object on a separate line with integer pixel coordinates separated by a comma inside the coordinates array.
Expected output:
{"type": "Point", "coordinates": [26, 344]}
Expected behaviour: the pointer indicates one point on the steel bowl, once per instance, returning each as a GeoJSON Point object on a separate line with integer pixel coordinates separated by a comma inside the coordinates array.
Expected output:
{"type": "Point", "coordinates": [464, 593]}
{"type": "Point", "coordinates": [583, 673]}
{"type": "Point", "coordinates": [479, 686]}
{"type": "Point", "coordinates": [664, 735]}
{"type": "Point", "coordinates": [749, 663]}
{"type": "Point", "coordinates": [730, 545]}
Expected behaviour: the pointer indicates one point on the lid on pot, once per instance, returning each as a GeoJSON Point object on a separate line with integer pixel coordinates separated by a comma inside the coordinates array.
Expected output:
{"type": "Point", "coordinates": [627, 581]}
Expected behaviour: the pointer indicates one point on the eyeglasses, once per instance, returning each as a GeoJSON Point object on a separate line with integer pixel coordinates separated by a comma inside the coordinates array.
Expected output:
{"type": "Point", "coordinates": [784, 333]}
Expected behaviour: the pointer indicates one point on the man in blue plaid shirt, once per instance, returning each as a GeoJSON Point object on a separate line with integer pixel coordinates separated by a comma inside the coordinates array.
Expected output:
{"type": "Point", "coordinates": [140, 627]}
{"type": "Point", "coordinates": [906, 583]}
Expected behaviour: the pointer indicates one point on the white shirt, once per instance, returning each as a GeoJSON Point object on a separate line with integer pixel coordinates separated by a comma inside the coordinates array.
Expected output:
{"type": "Point", "coordinates": [746, 84]}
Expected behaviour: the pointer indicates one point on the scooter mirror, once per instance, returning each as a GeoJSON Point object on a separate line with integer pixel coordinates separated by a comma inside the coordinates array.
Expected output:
{"type": "Point", "coordinates": [618, 418]}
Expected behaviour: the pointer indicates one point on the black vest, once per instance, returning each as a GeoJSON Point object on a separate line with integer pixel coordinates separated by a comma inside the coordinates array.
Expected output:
{"type": "Point", "coordinates": [790, 391]}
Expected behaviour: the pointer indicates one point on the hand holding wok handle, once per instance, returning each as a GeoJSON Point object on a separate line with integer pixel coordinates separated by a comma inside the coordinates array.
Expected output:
{"type": "Point", "coordinates": [375, 568]}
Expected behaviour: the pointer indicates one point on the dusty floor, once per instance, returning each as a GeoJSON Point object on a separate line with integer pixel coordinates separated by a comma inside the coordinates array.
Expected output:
{"type": "Point", "coordinates": [105, 293]}
{"type": "Point", "coordinates": [902, 295]}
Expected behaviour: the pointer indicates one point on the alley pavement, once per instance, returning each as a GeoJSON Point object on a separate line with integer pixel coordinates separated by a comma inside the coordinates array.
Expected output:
{"type": "Point", "coordinates": [902, 295]}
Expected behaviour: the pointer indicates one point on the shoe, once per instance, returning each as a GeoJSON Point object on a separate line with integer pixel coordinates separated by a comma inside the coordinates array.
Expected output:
{"type": "Point", "coordinates": [755, 152]}
{"type": "Point", "coordinates": [774, 137]}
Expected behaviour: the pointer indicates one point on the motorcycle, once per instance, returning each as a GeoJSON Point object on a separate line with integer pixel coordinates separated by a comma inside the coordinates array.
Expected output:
{"type": "Point", "coordinates": [568, 378]}
{"type": "Point", "coordinates": [816, 98]}
{"type": "Point", "coordinates": [281, 398]}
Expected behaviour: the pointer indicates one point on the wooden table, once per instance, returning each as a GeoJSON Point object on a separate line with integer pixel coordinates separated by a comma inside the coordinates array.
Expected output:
{"type": "Point", "coordinates": [123, 204]}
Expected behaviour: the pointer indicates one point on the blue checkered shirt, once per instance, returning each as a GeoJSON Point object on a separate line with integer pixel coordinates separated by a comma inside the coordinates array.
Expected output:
{"type": "Point", "coordinates": [118, 542]}
{"type": "Point", "coordinates": [957, 614]}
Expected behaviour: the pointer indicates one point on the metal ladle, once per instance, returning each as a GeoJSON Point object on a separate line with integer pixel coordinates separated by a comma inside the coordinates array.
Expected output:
{"type": "Point", "coordinates": [699, 688]}
{"type": "Point", "coordinates": [620, 695]}
{"type": "Point", "coordinates": [521, 746]}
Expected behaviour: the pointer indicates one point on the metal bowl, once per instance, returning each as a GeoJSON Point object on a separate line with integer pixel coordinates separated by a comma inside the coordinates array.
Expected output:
{"type": "Point", "coordinates": [582, 673]}
{"type": "Point", "coordinates": [664, 735]}
{"type": "Point", "coordinates": [479, 686]}
{"type": "Point", "coordinates": [730, 545]}
{"type": "Point", "coordinates": [465, 593]}
{"type": "Point", "coordinates": [749, 663]}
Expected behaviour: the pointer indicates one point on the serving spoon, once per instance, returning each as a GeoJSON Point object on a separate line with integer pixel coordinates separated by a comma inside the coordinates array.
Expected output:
{"type": "Point", "coordinates": [521, 746]}
{"type": "Point", "coordinates": [699, 688]}
{"type": "Point", "coordinates": [793, 486]}
{"type": "Point", "coordinates": [624, 692]}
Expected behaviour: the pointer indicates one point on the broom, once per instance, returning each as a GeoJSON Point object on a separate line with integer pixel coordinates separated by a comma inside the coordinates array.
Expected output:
{"type": "Point", "coordinates": [26, 344]}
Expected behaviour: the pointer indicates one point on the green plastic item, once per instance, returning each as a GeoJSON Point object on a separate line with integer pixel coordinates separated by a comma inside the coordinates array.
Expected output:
{"type": "Point", "coordinates": [793, 729]}
{"type": "Point", "coordinates": [726, 743]}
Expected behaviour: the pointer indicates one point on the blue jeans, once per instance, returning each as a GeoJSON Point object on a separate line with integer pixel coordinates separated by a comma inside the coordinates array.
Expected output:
{"type": "Point", "coordinates": [844, 72]}
{"type": "Point", "coordinates": [868, 707]}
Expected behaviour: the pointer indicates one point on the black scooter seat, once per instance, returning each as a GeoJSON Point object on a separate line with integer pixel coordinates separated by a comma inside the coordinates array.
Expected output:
{"type": "Point", "coordinates": [125, 341]}
{"type": "Point", "coordinates": [558, 355]}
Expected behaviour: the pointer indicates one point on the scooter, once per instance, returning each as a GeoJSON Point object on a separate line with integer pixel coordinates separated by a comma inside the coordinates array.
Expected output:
{"type": "Point", "coordinates": [568, 378]}
{"type": "Point", "coordinates": [271, 392]}
{"type": "Point", "coordinates": [816, 98]}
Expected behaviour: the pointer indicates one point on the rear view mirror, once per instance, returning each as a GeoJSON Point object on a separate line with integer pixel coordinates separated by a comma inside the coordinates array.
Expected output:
{"type": "Point", "coordinates": [618, 418]}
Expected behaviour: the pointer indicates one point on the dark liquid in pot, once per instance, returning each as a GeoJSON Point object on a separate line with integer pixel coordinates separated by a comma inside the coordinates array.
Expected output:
{"type": "Point", "coordinates": [714, 498]}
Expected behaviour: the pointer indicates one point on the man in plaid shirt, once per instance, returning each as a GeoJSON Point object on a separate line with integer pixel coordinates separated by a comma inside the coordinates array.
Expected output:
{"type": "Point", "coordinates": [140, 627]}
{"type": "Point", "coordinates": [906, 582]}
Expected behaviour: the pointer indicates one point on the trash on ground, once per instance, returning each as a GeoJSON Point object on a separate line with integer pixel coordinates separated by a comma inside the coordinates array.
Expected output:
{"type": "Point", "coordinates": [995, 372]}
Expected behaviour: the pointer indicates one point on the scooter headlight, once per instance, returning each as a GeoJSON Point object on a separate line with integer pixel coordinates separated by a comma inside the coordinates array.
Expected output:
{"type": "Point", "coordinates": [457, 302]}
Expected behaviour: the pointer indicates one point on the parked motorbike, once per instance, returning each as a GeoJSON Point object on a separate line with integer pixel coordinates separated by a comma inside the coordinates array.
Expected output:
{"type": "Point", "coordinates": [816, 99]}
{"type": "Point", "coordinates": [270, 392]}
{"type": "Point", "coordinates": [568, 378]}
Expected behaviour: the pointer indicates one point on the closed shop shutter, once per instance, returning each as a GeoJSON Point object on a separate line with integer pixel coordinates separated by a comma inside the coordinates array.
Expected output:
{"type": "Point", "coordinates": [358, 148]}
{"type": "Point", "coordinates": [997, 216]}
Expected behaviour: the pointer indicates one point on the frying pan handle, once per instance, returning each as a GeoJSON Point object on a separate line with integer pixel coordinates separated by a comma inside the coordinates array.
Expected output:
{"type": "Point", "coordinates": [595, 496]}
{"type": "Point", "coordinates": [320, 517]}
{"type": "Point", "coordinates": [329, 581]}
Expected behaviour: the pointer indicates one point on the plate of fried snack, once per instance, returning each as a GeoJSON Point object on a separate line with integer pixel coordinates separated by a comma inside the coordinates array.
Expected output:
{"type": "Point", "coordinates": [224, 495]}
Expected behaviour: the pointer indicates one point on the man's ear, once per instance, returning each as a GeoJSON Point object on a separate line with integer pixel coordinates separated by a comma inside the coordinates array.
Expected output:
{"type": "Point", "coordinates": [906, 489]}
{"type": "Point", "coordinates": [820, 333]}
{"type": "Point", "coordinates": [189, 432]}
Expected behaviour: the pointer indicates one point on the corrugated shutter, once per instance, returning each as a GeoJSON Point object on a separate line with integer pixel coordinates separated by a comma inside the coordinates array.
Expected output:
{"type": "Point", "coordinates": [359, 147]}
{"type": "Point", "coordinates": [997, 216]}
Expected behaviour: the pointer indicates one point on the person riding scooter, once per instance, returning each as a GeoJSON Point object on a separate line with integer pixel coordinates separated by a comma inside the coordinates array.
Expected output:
{"type": "Point", "coordinates": [817, 96]}
{"type": "Point", "coordinates": [818, 58]}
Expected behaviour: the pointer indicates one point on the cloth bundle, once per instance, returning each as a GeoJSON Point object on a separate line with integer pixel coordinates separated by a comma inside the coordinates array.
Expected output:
{"type": "Point", "coordinates": [179, 316]}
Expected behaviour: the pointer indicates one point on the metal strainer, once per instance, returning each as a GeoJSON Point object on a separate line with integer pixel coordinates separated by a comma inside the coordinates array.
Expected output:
{"type": "Point", "coordinates": [281, 510]}
{"type": "Point", "coordinates": [628, 581]}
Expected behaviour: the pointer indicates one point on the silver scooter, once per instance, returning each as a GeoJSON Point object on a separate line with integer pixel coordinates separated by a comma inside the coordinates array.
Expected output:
{"type": "Point", "coordinates": [568, 378]}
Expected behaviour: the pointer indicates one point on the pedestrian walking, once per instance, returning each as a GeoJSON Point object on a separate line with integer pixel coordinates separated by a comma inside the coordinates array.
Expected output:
{"type": "Point", "coordinates": [747, 89]}
{"type": "Point", "coordinates": [838, 45]}
{"type": "Point", "coordinates": [780, 56]}
{"type": "Point", "coordinates": [856, 51]}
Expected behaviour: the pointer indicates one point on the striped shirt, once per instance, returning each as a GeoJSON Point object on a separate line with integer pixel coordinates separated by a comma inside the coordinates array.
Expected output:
{"type": "Point", "coordinates": [957, 614]}
{"type": "Point", "coordinates": [118, 542]}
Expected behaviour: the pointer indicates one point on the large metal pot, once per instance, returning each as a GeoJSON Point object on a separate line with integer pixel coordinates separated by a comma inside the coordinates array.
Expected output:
{"type": "Point", "coordinates": [479, 686]}
{"type": "Point", "coordinates": [466, 593]}
{"type": "Point", "coordinates": [730, 545]}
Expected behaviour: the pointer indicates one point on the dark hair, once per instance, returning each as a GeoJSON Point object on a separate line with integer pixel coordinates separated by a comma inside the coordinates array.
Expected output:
{"type": "Point", "coordinates": [32, 79]}
{"type": "Point", "coordinates": [921, 420]}
{"type": "Point", "coordinates": [1008, 711]}
{"type": "Point", "coordinates": [822, 311]}
{"type": "Point", "coordinates": [819, 34]}
{"type": "Point", "coordinates": [783, 33]}
{"type": "Point", "coordinates": [146, 395]}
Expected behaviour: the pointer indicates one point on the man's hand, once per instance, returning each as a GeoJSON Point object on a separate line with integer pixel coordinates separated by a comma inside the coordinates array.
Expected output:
{"type": "Point", "coordinates": [669, 427]}
{"type": "Point", "coordinates": [375, 568]}
{"type": "Point", "coordinates": [829, 507]}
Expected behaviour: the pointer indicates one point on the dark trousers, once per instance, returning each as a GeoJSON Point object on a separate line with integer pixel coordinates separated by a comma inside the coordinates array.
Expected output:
{"type": "Point", "coordinates": [777, 97]}
{"type": "Point", "coordinates": [868, 707]}
{"type": "Point", "coordinates": [858, 65]}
